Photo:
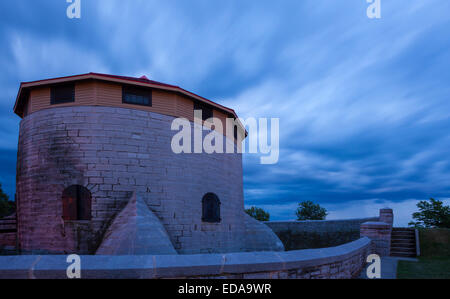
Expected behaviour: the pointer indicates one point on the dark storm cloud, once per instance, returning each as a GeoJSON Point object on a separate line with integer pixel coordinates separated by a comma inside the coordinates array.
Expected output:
{"type": "Point", "coordinates": [363, 104]}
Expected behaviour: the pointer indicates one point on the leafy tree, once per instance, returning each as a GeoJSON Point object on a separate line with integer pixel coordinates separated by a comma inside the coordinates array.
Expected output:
{"type": "Point", "coordinates": [308, 210]}
{"type": "Point", "coordinates": [258, 214]}
{"type": "Point", "coordinates": [6, 207]}
{"type": "Point", "coordinates": [432, 214]}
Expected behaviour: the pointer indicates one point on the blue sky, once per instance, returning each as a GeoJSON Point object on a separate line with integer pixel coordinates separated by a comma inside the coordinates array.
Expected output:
{"type": "Point", "coordinates": [363, 104]}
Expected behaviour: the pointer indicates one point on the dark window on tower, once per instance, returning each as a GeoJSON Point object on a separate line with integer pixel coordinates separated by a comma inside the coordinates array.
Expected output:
{"type": "Point", "coordinates": [61, 94]}
{"type": "Point", "coordinates": [207, 111]}
{"type": "Point", "coordinates": [211, 208]}
{"type": "Point", "coordinates": [76, 203]}
{"type": "Point", "coordinates": [136, 96]}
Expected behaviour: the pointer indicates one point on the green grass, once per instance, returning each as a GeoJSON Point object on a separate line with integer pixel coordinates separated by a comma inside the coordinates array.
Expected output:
{"type": "Point", "coordinates": [434, 262]}
{"type": "Point", "coordinates": [425, 268]}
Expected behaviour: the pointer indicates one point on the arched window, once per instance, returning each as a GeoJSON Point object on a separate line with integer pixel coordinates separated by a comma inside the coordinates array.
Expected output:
{"type": "Point", "coordinates": [76, 203]}
{"type": "Point", "coordinates": [211, 208]}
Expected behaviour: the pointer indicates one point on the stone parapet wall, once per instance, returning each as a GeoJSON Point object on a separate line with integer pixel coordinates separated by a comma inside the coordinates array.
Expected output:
{"type": "Point", "coordinates": [345, 261]}
{"type": "Point", "coordinates": [387, 216]}
{"type": "Point", "coordinates": [317, 234]}
{"type": "Point", "coordinates": [380, 234]}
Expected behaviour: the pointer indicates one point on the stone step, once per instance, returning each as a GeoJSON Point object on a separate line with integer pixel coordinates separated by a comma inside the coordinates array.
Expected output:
{"type": "Point", "coordinates": [403, 245]}
{"type": "Point", "coordinates": [403, 242]}
{"type": "Point", "coordinates": [409, 246]}
{"type": "Point", "coordinates": [403, 254]}
{"type": "Point", "coordinates": [403, 249]}
{"type": "Point", "coordinates": [8, 227]}
{"type": "Point", "coordinates": [403, 229]}
{"type": "Point", "coordinates": [404, 233]}
{"type": "Point", "coordinates": [401, 235]}
{"type": "Point", "coordinates": [7, 231]}
{"type": "Point", "coordinates": [404, 238]}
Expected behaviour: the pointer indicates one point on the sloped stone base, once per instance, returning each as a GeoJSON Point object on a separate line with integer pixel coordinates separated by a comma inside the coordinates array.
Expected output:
{"type": "Point", "coordinates": [136, 231]}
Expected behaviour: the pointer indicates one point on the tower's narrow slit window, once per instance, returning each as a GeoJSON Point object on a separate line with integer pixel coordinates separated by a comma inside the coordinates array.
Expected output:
{"type": "Point", "coordinates": [211, 208]}
{"type": "Point", "coordinates": [61, 94]}
{"type": "Point", "coordinates": [77, 202]}
{"type": "Point", "coordinates": [137, 96]}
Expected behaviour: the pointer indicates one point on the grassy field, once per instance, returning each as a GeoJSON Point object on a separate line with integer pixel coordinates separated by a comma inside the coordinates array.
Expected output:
{"type": "Point", "coordinates": [434, 262]}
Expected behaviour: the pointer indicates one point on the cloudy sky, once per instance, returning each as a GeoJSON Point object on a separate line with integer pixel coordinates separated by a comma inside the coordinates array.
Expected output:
{"type": "Point", "coordinates": [363, 104]}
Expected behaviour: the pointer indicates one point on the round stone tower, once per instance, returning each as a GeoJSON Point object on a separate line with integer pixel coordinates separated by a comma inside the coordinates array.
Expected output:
{"type": "Point", "coordinates": [87, 143]}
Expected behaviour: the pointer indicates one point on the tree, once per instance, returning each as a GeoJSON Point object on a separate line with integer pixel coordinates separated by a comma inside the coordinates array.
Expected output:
{"type": "Point", "coordinates": [432, 214]}
{"type": "Point", "coordinates": [258, 214]}
{"type": "Point", "coordinates": [6, 207]}
{"type": "Point", "coordinates": [308, 210]}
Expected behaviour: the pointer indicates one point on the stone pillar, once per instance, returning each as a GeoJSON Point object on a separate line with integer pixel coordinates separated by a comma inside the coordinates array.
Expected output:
{"type": "Point", "coordinates": [380, 234]}
{"type": "Point", "coordinates": [387, 216]}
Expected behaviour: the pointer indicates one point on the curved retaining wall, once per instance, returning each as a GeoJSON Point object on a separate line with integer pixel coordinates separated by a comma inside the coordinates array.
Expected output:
{"type": "Point", "coordinates": [114, 152]}
{"type": "Point", "coordinates": [317, 234]}
{"type": "Point", "coordinates": [345, 261]}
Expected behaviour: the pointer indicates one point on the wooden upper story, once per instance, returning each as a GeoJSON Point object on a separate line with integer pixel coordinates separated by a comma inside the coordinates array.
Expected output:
{"type": "Point", "coordinates": [95, 89]}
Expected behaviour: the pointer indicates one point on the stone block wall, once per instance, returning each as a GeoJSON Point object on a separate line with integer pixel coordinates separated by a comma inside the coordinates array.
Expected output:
{"type": "Point", "coordinates": [380, 232]}
{"type": "Point", "coordinates": [387, 216]}
{"type": "Point", "coordinates": [114, 152]}
{"type": "Point", "coordinates": [317, 234]}
{"type": "Point", "coordinates": [341, 262]}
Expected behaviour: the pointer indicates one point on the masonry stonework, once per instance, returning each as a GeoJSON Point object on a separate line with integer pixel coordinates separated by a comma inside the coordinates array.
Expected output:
{"type": "Point", "coordinates": [387, 216]}
{"type": "Point", "coordinates": [342, 262]}
{"type": "Point", "coordinates": [380, 232]}
{"type": "Point", "coordinates": [309, 234]}
{"type": "Point", "coordinates": [114, 152]}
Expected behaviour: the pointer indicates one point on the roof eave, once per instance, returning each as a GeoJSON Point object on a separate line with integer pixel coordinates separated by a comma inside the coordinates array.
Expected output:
{"type": "Point", "coordinates": [16, 104]}
{"type": "Point", "coordinates": [111, 78]}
